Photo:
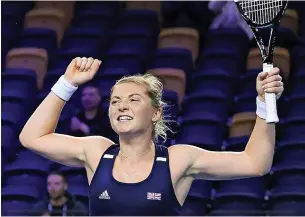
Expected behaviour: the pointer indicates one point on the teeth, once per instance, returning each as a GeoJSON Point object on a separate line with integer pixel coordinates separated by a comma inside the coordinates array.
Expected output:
{"type": "Point", "coordinates": [125, 118]}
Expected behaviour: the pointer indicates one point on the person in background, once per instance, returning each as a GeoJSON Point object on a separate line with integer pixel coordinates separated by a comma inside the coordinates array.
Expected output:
{"type": "Point", "coordinates": [92, 120]}
{"type": "Point", "coordinates": [228, 17]}
{"type": "Point", "coordinates": [59, 201]}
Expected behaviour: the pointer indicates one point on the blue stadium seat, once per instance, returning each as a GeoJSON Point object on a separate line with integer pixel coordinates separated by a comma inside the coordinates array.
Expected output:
{"type": "Point", "coordinates": [40, 38]}
{"type": "Point", "coordinates": [19, 80]}
{"type": "Point", "coordinates": [204, 130]}
{"type": "Point", "coordinates": [194, 206]}
{"type": "Point", "coordinates": [17, 200]}
{"type": "Point", "coordinates": [25, 172]}
{"type": "Point", "coordinates": [296, 107]}
{"type": "Point", "coordinates": [233, 39]}
{"type": "Point", "coordinates": [146, 19]}
{"type": "Point", "coordinates": [290, 152]}
{"type": "Point", "coordinates": [246, 102]}
{"type": "Point", "coordinates": [204, 104]}
{"type": "Point", "coordinates": [123, 62]}
{"type": "Point", "coordinates": [237, 143]}
{"type": "Point", "coordinates": [135, 38]}
{"type": "Point", "coordinates": [247, 82]}
{"type": "Point", "coordinates": [177, 58]}
{"type": "Point", "coordinates": [214, 84]}
{"type": "Point", "coordinates": [294, 130]}
{"type": "Point", "coordinates": [90, 39]}
{"type": "Point", "coordinates": [287, 203]}
{"type": "Point", "coordinates": [9, 135]}
{"type": "Point", "coordinates": [288, 176]}
{"type": "Point", "coordinates": [287, 195]}
{"type": "Point", "coordinates": [297, 84]}
{"type": "Point", "coordinates": [237, 206]}
{"type": "Point", "coordinates": [94, 19]}
{"type": "Point", "coordinates": [224, 59]}
{"type": "Point", "coordinates": [239, 197]}
{"type": "Point", "coordinates": [15, 103]}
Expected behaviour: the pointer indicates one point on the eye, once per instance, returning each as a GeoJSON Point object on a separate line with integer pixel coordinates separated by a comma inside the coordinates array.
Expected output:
{"type": "Point", "coordinates": [134, 100]}
{"type": "Point", "coordinates": [114, 102]}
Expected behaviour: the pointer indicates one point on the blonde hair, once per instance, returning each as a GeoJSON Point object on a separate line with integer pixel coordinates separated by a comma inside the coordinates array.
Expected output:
{"type": "Point", "coordinates": [154, 90]}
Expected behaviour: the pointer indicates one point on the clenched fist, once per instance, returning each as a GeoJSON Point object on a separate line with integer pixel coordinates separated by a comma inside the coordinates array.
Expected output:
{"type": "Point", "coordinates": [81, 70]}
{"type": "Point", "coordinates": [270, 82]}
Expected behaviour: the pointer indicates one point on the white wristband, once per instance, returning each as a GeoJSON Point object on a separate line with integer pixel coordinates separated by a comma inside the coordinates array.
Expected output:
{"type": "Point", "coordinates": [261, 109]}
{"type": "Point", "coordinates": [63, 89]}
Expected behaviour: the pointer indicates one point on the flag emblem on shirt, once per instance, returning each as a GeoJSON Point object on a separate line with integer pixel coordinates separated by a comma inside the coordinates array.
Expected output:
{"type": "Point", "coordinates": [153, 196]}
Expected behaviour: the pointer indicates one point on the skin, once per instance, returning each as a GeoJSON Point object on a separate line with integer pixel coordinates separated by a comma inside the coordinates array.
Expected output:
{"type": "Point", "coordinates": [187, 162]}
{"type": "Point", "coordinates": [56, 186]}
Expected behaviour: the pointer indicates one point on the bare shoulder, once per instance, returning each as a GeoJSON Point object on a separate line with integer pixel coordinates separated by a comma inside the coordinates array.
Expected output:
{"type": "Point", "coordinates": [96, 144]}
{"type": "Point", "coordinates": [180, 160]}
{"type": "Point", "coordinates": [94, 147]}
{"type": "Point", "coordinates": [181, 150]}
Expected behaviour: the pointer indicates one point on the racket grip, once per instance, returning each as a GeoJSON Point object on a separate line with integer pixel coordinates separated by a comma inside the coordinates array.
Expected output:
{"type": "Point", "coordinates": [270, 99]}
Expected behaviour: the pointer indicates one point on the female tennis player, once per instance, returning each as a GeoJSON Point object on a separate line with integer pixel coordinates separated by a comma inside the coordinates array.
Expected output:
{"type": "Point", "coordinates": [137, 176]}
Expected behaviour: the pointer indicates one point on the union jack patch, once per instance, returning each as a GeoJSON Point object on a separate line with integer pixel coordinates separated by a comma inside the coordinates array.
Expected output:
{"type": "Point", "coordinates": [153, 196]}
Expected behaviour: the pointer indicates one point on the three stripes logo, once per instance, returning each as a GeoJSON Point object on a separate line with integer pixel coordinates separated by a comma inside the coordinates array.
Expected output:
{"type": "Point", "coordinates": [104, 196]}
{"type": "Point", "coordinates": [153, 196]}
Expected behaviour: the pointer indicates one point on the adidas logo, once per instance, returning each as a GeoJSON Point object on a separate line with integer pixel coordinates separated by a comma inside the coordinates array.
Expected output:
{"type": "Point", "coordinates": [104, 196]}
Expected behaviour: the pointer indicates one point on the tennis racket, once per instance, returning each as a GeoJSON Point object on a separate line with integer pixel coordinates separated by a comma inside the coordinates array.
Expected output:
{"type": "Point", "coordinates": [262, 16]}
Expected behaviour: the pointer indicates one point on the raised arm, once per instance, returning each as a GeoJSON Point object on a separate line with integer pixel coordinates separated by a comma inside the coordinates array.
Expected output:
{"type": "Point", "coordinates": [255, 160]}
{"type": "Point", "coordinates": [38, 133]}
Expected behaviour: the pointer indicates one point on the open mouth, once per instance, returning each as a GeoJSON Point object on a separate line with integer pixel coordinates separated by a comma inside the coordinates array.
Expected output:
{"type": "Point", "coordinates": [124, 118]}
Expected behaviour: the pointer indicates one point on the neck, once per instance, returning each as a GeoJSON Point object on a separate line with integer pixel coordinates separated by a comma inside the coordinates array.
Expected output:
{"type": "Point", "coordinates": [136, 148]}
{"type": "Point", "coordinates": [59, 201]}
{"type": "Point", "coordinates": [90, 114]}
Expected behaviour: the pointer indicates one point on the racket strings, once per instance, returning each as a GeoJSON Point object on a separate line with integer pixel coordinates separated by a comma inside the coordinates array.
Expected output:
{"type": "Point", "coordinates": [261, 11]}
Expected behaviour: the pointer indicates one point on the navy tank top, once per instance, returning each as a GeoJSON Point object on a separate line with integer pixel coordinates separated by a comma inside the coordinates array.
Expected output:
{"type": "Point", "coordinates": [154, 196]}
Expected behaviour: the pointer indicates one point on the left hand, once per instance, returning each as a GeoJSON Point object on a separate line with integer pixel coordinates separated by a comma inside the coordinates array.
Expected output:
{"type": "Point", "coordinates": [269, 82]}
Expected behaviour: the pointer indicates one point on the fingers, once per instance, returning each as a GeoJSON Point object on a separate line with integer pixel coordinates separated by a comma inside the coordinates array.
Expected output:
{"type": "Point", "coordinates": [89, 63]}
{"type": "Point", "coordinates": [263, 75]}
{"type": "Point", "coordinates": [272, 84]}
{"type": "Point", "coordinates": [94, 67]}
{"type": "Point", "coordinates": [86, 64]}
{"type": "Point", "coordinates": [272, 79]}
{"type": "Point", "coordinates": [83, 64]}
{"type": "Point", "coordinates": [275, 90]}
{"type": "Point", "coordinates": [274, 71]}
{"type": "Point", "coordinates": [78, 62]}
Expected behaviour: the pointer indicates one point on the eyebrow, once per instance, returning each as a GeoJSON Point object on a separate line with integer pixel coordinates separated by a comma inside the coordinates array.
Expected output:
{"type": "Point", "coordinates": [133, 94]}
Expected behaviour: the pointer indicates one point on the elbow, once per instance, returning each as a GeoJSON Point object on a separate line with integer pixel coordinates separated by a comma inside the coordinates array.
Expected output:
{"type": "Point", "coordinates": [265, 171]}
{"type": "Point", "coordinates": [262, 171]}
{"type": "Point", "coordinates": [23, 140]}
{"type": "Point", "coordinates": [26, 139]}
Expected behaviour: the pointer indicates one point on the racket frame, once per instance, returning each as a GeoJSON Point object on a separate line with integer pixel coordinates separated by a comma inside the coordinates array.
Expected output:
{"type": "Point", "coordinates": [266, 54]}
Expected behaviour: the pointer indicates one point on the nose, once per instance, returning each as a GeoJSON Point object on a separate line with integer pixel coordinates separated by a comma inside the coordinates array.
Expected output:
{"type": "Point", "coordinates": [123, 106]}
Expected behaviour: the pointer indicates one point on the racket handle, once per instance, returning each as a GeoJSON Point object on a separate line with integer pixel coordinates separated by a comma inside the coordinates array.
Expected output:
{"type": "Point", "coordinates": [270, 99]}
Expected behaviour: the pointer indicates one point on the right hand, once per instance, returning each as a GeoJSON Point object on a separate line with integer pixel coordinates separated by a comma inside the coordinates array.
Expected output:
{"type": "Point", "coordinates": [81, 70]}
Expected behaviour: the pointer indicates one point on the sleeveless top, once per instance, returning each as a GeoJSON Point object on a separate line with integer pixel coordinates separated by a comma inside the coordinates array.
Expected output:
{"type": "Point", "coordinates": [154, 196]}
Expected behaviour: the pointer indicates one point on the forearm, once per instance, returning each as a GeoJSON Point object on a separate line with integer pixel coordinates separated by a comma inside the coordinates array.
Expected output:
{"type": "Point", "coordinates": [44, 120]}
{"type": "Point", "coordinates": [260, 147]}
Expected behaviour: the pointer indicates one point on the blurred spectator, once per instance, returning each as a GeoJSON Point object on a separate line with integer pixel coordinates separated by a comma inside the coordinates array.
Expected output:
{"type": "Point", "coordinates": [92, 120]}
{"type": "Point", "coordinates": [59, 201]}
{"type": "Point", "coordinates": [228, 16]}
